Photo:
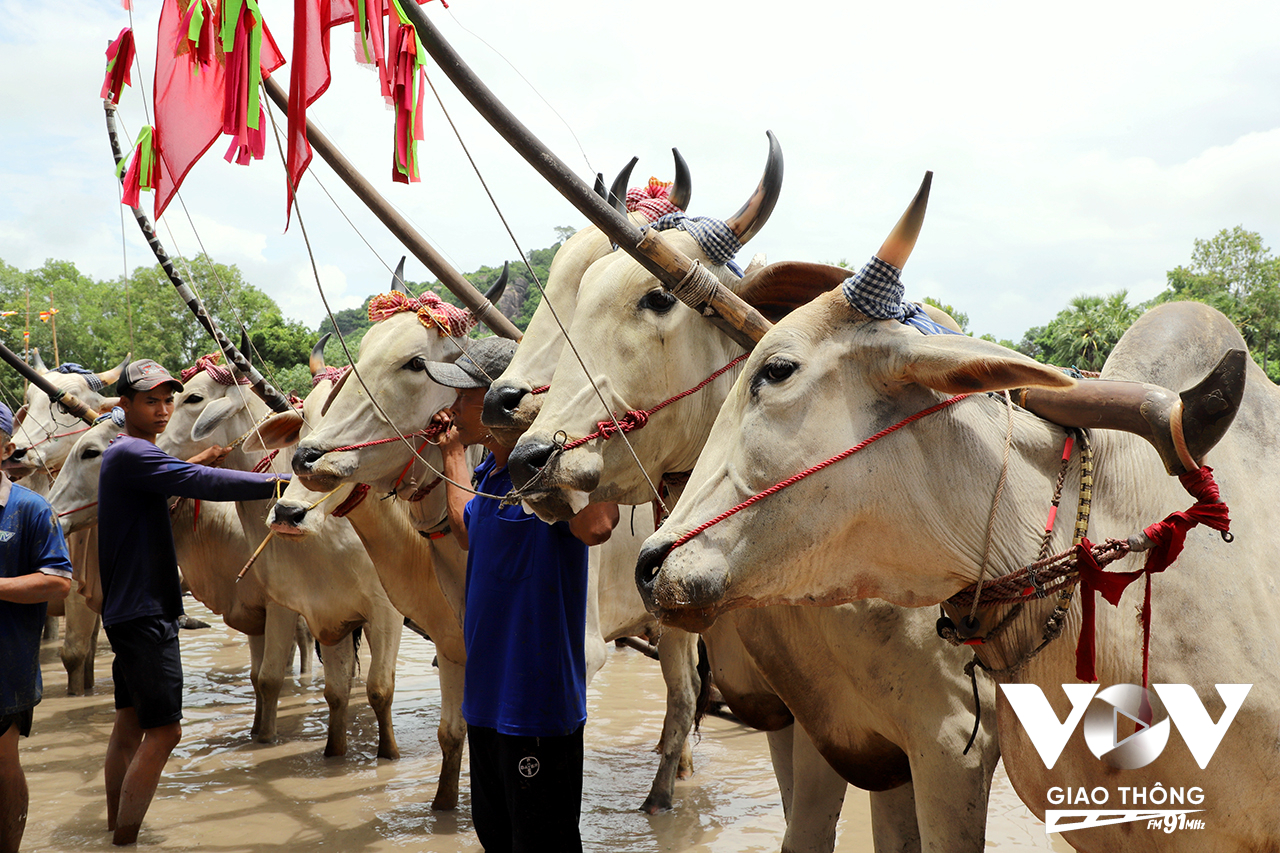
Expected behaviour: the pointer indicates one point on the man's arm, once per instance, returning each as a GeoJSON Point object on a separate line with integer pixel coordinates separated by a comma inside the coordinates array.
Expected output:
{"type": "Point", "coordinates": [455, 470]}
{"type": "Point", "coordinates": [594, 524]}
{"type": "Point", "coordinates": [34, 588]}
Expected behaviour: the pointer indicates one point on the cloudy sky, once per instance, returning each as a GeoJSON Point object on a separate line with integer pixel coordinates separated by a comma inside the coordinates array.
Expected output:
{"type": "Point", "coordinates": [1077, 149]}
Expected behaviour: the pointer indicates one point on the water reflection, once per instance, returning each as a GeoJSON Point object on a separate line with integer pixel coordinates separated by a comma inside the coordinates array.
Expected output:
{"type": "Point", "coordinates": [224, 793]}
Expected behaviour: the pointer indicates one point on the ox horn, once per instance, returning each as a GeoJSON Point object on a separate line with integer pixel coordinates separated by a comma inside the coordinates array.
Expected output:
{"type": "Point", "coordinates": [752, 216]}
{"type": "Point", "coordinates": [37, 363]}
{"type": "Point", "coordinates": [316, 361]}
{"type": "Point", "coordinates": [599, 189]}
{"type": "Point", "coordinates": [897, 248]}
{"type": "Point", "coordinates": [397, 277]}
{"type": "Point", "coordinates": [112, 376]}
{"type": "Point", "coordinates": [682, 190]}
{"type": "Point", "coordinates": [495, 293]}
{"type": "Point", "coordinates": [618, 192]}
{"type": "Point", "coordinates": [245, 346]}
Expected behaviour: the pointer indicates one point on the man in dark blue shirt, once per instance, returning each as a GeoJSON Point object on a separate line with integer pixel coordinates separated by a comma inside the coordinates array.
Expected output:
{"type": "Point", "coordinates": [34, 569]}
{"type": "Point", "coordinates": [142, 599]}
{"type": "Point", "coordinates": [524, 697]}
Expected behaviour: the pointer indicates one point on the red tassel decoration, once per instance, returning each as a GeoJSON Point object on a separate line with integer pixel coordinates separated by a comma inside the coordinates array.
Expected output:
{"type": "Point", "coordinates": [120, 55]}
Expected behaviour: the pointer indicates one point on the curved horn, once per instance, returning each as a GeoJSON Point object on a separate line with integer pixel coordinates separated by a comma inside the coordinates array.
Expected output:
{"type": "Point", "coordinates": [333, 393]}
{"type": "Point", "coordinates": [618, 192]}
{"type": "Point", "coordinates": [397, 277]}
{"type": "Point", "coordinates": [37, 362]}
{"type": "Point", "coordinates": [316, 361]}
{"type": "Point", "coordinates": [897, 248]}
{"type": "Point", "coordinates": [682, 190]}
{"type": "Point", "coordinates": [495, 292]}
{"type": "Point", "coordinates": [245, 346]}
{"type": "Point", "coordinates": [112, 376]}
{"type": "Point", "coordinates": [598, 189]}
{"type": "Point", "coordinates": [755, 213]}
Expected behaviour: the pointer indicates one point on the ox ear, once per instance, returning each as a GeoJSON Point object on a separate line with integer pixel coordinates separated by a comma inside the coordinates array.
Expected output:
{"type": "Point", "coordinates": [215, 414]}
{"type": "Point", "coordinates": [778, 289]}
{"type": "Point", "coordinates": [959, 364]}
{"type": "Point", "coordinates": [279, 430]}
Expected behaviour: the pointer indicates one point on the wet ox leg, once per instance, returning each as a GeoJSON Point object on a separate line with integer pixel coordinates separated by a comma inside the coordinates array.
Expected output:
{"type": "Point", "coordinates": [816, 799]}
{"type": "Point", "coordinates": [384, 631]}
{"type": "Point", "coordinates": [893, 820]}
{"type": "Point", "coordinates": [270, 656]}
{"type": "Point", "coordinates": [678, 655]}
{"type": "Point", "coordinates": [452, 733]}
{"type": "Point", "coordinates": [339, 670]}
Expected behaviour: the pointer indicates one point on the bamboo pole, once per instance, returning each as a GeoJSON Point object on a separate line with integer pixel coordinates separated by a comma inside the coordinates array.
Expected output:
{"type": "Point", "coordinates": [70, 402]}
{"type": "Point", "coordinates": [481, 307]}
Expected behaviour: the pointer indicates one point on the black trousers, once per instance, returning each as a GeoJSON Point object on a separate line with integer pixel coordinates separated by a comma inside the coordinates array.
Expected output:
{"type": "Point", "coordinates": [526, 792]}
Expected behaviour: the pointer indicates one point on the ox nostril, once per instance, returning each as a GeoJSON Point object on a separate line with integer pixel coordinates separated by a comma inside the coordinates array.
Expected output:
{"type": "Point", "coordinates": [528, 458]}
{"type": "Point", "coordinates": [19, 453]}
{"type": "Point", "coordinates": [501, 402]}
{"type": "Point", "coordinates": [648, 564]}
{"type": "Point", "coordinates": [304, 458]}
{"type": "Point", "coordinates": [290, 514]}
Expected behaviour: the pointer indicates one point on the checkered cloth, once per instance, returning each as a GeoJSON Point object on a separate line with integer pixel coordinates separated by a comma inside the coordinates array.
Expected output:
{"type": "Point", "coordinates": [116, 416]}
{"type": "Point", "coordinates": [95, 384]}
{"type": "Point", "coordinates": [876, 290]}
{"type": "Point", "coordinates": [716, 238]}
{"type": "Point", "coordinates": [432, 311]}
{"type": "Point", "coordinates": [209, 364]}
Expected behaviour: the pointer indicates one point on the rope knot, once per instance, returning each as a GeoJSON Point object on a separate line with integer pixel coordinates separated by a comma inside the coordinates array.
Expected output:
{"type": "Point", "coordinates": [630, 421]}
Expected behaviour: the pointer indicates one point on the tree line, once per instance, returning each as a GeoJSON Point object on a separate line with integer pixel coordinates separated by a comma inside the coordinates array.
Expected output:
{"type": "Point", "coordinates": [98, 322]}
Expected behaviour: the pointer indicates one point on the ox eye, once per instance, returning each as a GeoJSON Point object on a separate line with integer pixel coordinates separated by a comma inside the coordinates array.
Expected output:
{"type": "Point", "coordinates": [657, 301]}
{"type": "Point", "coordinates": [194, 398]}
{"type": "Point", "coordinates": [417, 363]}
{"type": "Point", "coordinates": [774, 371]}
{"type": "Point", "coordinates": [91, 453]}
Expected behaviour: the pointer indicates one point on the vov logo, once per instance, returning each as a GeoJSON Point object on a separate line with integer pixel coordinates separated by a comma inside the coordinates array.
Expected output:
{"type": "Point", "coordinates": [1105, 713]}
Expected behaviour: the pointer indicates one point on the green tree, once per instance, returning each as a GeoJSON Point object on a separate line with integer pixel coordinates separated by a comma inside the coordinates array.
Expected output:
{"type": "Point", "coordinates": [961, 318]}
{"type": "Point", "coordinates": [1083, 334]}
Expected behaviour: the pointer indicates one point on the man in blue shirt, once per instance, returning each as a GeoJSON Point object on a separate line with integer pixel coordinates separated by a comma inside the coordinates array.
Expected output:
{"type": "Point", "coordinates": [34, 570]}
{"type": "Point", "coordinates": [524, 697]}
{"type": "Point", "coordinates": [142, 599]}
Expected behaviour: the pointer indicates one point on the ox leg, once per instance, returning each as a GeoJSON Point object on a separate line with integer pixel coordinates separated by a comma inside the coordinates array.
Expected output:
{"type": "Point", "coordinates": [50, 627]}
{"type": "Point", "coordinates": [339, 669]}
{"type": "Point", "coordinates": [277, 649]}
{"type": "Point", "coordinates": [952, 791]}
{"type": "Point", "coordinates": [384, 633]}
{"type": "Point", "coordinates": [306, 645]}
{"type": "Point", "coordinates": [817, 797]}
{"type": "Point", "coordinates": [781, 752]}
{"type": "Point", "coordinates": [452, 733]}
{"type": "Point", "coordinates": [256, 645]}
{"type": "Point", "coordinates": [678, 655]}
{"type": "Point", "coordinates": [79, 644]}
{"type": "Point", "coordinates": [893, 820]}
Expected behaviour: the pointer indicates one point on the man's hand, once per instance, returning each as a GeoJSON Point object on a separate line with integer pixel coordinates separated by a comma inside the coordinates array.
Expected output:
{"type": "Point", "coordinates": [447, 441]}
{"type": "Point", "coordinates": [212, 456]}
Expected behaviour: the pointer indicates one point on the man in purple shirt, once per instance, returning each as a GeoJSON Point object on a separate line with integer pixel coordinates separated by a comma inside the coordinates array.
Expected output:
{"type": "Point", "coordinates": [142, 599]}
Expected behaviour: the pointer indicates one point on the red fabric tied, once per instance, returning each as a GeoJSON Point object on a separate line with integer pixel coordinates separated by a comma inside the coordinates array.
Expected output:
{"type": "Point", "coordinates": [1169, 537]}
{"type": "Point", "coordinates": [120, 55]}
{"type": "Point", "coordinates": [407, 84]}
{"type": "Point", "coordinates": [651, 200]}
{"type": "Point", "coordinates": [333, 374]}
{"type": "Point", "coordinates": [432, 311]}
{"type": "Point", "coordinates": [209, 364]}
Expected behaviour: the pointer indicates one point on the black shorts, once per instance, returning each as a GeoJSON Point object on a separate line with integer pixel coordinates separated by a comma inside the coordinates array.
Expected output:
{"type": "Point", "coordinates": [148, 669]}
{"type": "Point", "coordinates": [21, 719]}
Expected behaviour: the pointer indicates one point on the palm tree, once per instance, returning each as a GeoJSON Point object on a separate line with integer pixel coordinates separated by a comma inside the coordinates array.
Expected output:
{"type": "Point", "coordinates": [1083, 334]}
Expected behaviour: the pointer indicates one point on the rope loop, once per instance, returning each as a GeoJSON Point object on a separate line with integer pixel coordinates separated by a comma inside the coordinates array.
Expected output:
{"type": "Point", "coordinates": [697, 288]}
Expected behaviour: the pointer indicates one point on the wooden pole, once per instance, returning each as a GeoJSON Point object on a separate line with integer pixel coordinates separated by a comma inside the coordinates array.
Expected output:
{"type": "Point", "coordinates": [53, 327]}
{"type": "Point", "coordinates": [481, 307]}
{"type": "Point", "coordinates": [69, 402]}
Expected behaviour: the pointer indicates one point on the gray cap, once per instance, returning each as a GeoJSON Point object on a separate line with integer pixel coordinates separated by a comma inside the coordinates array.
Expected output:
{"type": "Point", "coordinates": [483, 362]}
{"type": "Point", "coordinates": [143, 375]}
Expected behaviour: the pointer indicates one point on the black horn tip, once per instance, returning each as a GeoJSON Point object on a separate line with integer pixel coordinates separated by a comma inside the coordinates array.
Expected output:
{"type": "Point", "coordinates": [618, 192]}
{"type": "Point", "coordinates": [599, 189]}
{"type": "Point", "coordinates": [682, 189]}
{"type": "Point", "coordinates": [397, 278]}
{"type": "Point", "coordinates": [316, 361]}
{"type": "Point", "coordinates": [897, 247]}
{"type": "Point", "coordinates": [495, 292]}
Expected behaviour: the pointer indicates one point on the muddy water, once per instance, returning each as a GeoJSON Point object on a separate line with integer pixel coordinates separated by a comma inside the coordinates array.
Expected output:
{"type": "Point", "coordinates": [222, 793]}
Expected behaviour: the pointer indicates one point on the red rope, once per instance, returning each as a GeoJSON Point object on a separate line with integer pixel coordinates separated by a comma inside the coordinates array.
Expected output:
{"type": "Point", "coordinates": [541, 389]}
{"type": "Point", "coordinates": [353, 500]}
{"type": "Point", "coordinates": [430, 432]}
{"type": "Point", "coordinates": [777, 487]}
{"type": "Point", "coordinates": [634, 419]}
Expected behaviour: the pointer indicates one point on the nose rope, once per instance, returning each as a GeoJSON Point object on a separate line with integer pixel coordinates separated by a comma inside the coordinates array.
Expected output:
{"type": "Point", "coordinates": [844, 454]}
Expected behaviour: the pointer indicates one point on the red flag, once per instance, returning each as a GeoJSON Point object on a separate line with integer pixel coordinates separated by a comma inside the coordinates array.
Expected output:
{"type": "Point", "coordinates": [119, 59]}
{"type": "Point", "coordinates": [190, 89]}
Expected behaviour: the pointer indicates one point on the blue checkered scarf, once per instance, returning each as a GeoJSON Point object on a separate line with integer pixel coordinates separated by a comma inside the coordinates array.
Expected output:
{"type": "Point", "coordinates": [95, 384]}
{"type": "Point", "coordinates": [876, 290]}
{"type": "Point", "coordinates": [714, 236]}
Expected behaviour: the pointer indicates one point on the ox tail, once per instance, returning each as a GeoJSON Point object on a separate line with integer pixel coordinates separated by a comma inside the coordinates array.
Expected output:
{"type": "Point", "coordinates": [703, 703]}
{"type": "Point", "coordinates": [355, 647]}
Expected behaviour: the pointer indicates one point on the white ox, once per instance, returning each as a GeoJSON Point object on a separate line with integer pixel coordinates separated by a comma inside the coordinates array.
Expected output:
{"type": "Point", "coordinates": [330, 583]}
{"type": "Point", "coordinates": [44, 434]}
{"type": "Point", "coordinates": [390, 362]}
{"type": "Point", "coordinates": [868, 683]}
{"type": "Point", "coordinates": [423, 573]}
{"type": "Point", "coordinates": [915, 508]}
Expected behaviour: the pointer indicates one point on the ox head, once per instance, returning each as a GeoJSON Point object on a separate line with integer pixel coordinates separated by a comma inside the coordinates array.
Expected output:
{"type": "Point", "coordinates": [215, 407]}
{"type": "Point", "coordinates": [387, 394]}
{"type": "Point", "coordinates": [821, 381]}
{"type": "Point", "coordinates": [43, 431]}
{"type": "Point", "coordinates": [642, 345]}
{"type": "Point", "coordinates": [75, 492]}
{"type": "Point", "coordinates": [509, 405]}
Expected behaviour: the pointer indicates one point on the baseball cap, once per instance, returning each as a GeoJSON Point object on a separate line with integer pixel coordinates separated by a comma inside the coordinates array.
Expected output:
{"type": "Point", "coordinates": [483, 362]}
{"type": "Point", "coordinates": [143, 375]}
{"type": "Point", "coordinates": [6, 420]}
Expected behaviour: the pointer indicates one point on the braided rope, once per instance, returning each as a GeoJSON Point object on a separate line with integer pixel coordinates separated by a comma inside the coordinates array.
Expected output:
{"type": "Point", "coordinates": [844, 454]}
